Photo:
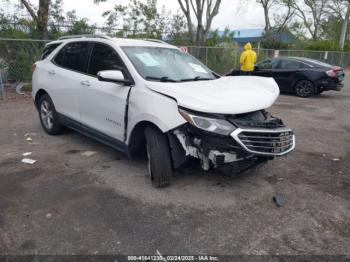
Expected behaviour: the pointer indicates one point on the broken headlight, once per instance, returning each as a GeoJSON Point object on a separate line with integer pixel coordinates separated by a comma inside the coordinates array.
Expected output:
{"type": "Point", "coordinates": [215, 125]}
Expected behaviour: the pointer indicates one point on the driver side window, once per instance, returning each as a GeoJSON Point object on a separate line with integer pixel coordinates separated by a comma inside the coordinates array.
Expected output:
{"type": "Point", "coordinates": [104, 57]}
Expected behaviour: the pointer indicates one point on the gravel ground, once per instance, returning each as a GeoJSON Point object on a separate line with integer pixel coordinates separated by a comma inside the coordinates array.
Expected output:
{"type": "Point", "coordinates": [67, 203]}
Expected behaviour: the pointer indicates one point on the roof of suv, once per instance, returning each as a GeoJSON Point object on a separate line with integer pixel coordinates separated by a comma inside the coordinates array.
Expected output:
{"type": "Point", "coordinates": [118, 41]}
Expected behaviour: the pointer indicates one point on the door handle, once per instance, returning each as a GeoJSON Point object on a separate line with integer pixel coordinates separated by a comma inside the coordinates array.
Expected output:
{"type": "Point", "coordinates": [85, 83]}
{"type": "Point", "coordinates": [52, 72]}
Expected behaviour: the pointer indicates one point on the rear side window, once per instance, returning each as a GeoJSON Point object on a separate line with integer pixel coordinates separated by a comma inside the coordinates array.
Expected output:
{"type": "Point", "coordinates": [73, 56]}
{"type": "Point", "coordinates": [48, 50]}
{"type": "Point", "coordinates": [104, 57]}
{"type": "Point", "coordinates": [289, 64]}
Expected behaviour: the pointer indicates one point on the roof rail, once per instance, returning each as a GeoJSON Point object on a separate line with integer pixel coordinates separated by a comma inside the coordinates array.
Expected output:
{"type": "Point", "coordinates": [156, 41]}
{"type": "Point", "coordinates": [83, 36]}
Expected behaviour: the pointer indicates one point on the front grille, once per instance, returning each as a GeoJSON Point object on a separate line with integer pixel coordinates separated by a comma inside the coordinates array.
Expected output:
{"type": "Point", "coordinates": [266, 142]}
{"type": "Point", "coordinates": [274, 123]}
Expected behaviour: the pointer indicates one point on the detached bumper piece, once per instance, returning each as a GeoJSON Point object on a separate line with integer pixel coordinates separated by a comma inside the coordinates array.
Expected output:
{"type": "Point", "coordinates": [265, 142]}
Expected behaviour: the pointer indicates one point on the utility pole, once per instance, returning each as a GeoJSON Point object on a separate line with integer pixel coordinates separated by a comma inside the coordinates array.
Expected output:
{"type": "Point", "coordinates": [344, 28]}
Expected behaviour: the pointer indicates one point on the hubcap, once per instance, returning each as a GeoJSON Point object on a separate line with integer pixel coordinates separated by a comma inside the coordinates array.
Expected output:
{"type": "Point", "coordinates": [46, 114]}
{"type": "Point", "coordinates": [304, 88]}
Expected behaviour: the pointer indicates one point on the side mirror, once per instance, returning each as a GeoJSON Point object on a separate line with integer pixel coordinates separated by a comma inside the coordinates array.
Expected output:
{"type": "Point", "coordinates": [113, 76]}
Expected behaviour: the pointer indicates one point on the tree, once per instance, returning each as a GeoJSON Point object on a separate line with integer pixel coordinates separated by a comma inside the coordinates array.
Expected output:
{"type": "Point", "coordinates": [56, 16]}
{"type": "Point", "coordinates": [282, 16]}
{"type": "Point", "coordinates": [50, 10]}
{"type": "Point", "coordinates": [176, 26]}
{"type": "Point", "coordinates": [41, 17]}
{"type": "Point", "coordinates": [78, 26]}
{"type": "Point", "coordinates": [266, 5]}
{"type": "Point", "coordinates": [282, 19]}
{"type": "Point", "coordinates": [137, 17]}
{"type": "Point", "coordinates": [312, 14]}
{"type": "Point", "coordinates": [204, 12]}
{"type": "Point", "coordinates": [344, 27]}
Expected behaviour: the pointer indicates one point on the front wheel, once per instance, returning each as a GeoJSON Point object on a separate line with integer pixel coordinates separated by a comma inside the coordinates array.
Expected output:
{"type": "Point", "coordinates": [48, 116]}
{"type": "Point", "coordinates": [159, 159]}
{"type": "Point", "coordinates": [304, 88]}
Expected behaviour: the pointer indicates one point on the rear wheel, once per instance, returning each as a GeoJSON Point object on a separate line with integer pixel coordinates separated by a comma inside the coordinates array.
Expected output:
{"type": "Point", "coordinates": [159, 159]}
{"type": "Point", "coordinates": [304, 88]}
{"type": "Point", "coordinates": [319, 91]}
{"type": "Point", "coordinates": [48, 116]}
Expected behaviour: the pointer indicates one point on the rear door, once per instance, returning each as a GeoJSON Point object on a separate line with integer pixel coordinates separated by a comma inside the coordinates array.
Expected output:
{"type": "Point", "coordinates": [286, 72]}
{"type": "Point", "coordinates": [65, 76]}
{"type": "Point", "coordinates": [103, 104]}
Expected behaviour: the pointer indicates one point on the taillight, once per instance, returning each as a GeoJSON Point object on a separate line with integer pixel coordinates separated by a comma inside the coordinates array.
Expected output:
{"type": "Point", "coordinates": [33, 67]}
{"type": "Point", "coordinates": [337, 68]}
{"type": "Point", "coordinates": [331, 73]}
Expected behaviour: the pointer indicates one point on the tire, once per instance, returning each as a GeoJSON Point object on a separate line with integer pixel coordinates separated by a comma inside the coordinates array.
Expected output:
{"type": "Point", "coordinates": [159, 159]}
{"type": "Point", "coordinates": [304, 88]}
{"type": "Point", "coordinates": [48, 116]}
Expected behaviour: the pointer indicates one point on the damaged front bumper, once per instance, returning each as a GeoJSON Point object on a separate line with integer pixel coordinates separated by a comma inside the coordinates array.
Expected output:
{"type": "Point", "coordinates": [244, 145]}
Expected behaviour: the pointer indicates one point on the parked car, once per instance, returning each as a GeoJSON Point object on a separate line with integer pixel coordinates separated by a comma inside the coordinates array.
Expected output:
{"type": "Point", "coordinates": [301, 76]}
{"type": "Point", "coordinates": [139, 94]}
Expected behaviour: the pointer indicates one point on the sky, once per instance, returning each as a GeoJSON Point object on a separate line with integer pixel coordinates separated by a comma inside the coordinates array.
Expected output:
{"type": "Point", "coordinates": [234, 14]}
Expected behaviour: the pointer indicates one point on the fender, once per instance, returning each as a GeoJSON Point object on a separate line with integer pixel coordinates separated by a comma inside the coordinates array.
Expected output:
{"type": "Point", "coordinates": [145, 105]}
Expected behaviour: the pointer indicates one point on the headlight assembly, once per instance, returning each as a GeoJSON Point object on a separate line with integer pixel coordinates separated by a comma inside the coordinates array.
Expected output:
{"type": "Point", "coordinates": [215, 125]}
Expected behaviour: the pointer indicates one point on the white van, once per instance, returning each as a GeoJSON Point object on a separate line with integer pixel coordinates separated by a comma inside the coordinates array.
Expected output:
{"type": "Point", "coordinates": [146, 94]}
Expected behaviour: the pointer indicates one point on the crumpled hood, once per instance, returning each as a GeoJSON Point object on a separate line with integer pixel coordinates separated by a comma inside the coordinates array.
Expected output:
{"type": "Point", "coordinates": [226, 95]}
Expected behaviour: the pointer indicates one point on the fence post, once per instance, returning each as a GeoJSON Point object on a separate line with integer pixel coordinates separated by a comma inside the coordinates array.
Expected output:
{"type": "Point", "coordinates": [341, 59]}
{"type": "Point", "coordinates": [332, 58]}
{"type": "Point", "coordinates": [206, 56]}
{"type": "Point", "coordinates": [235, 57]}
{"type": "Point", "coordinates": [2, 89]}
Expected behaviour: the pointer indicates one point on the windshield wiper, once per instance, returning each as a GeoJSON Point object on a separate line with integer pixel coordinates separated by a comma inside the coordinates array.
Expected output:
{"type": "Point", "coordinates": [161, 79]}
{"type": "Point", "coordinates": [197, 78]}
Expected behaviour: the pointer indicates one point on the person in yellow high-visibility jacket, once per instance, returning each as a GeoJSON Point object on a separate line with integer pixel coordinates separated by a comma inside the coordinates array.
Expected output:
{"type": "Point", "coordinates": [248, 59]}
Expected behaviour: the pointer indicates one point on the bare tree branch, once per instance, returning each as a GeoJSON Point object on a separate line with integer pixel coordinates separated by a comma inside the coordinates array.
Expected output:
{"type": "Point", "coordinates": [286, 17]}
{"type": "Point", "coordinates": [312, 13]}
{"type": "Point", "coordinates": [205, 11]}
{"type": "Point", "coordinates": [187, 12]}
{"type": "Point", "coordinates": [30, 10]}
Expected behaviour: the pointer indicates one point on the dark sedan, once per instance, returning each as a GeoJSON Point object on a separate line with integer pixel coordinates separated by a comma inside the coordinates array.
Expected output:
{"type": "Point", "coordinates": [301, 76]}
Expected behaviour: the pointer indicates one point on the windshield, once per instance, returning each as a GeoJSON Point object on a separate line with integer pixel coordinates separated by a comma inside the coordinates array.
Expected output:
{"type": "Point", "coordinates": [166, 64]}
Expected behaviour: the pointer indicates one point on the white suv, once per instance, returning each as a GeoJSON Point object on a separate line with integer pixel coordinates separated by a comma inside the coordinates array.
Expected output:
{"type": "Point", "coordinates": [136, 95]}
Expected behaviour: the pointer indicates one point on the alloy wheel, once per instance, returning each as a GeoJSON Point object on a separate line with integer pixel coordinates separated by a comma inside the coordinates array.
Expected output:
{"type": "Point", "coordinates": [304, 88]}
{"type": "Point", "coordinates": [46, 114]}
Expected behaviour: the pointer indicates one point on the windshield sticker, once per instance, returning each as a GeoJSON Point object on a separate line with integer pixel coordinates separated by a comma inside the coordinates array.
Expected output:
{"type": "Point", "coordinates": [147, 59]}
{"type": "Point", "coordinates": [198, 68]}
{"type": "Point", "coordinates": [184, 49]}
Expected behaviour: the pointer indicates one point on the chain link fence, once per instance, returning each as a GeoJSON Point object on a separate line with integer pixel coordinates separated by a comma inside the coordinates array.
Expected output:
{"type": "Point", "coordinates": [16, 60]}
{"type": "Point", "coordinates": [223, 59]}
{"type": "Point", "coordinates": [17, 57]}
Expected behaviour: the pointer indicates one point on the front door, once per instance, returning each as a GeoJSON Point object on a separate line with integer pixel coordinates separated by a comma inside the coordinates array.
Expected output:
{"type": "Point", "coordinates": [264, 68]}
{"type": "Point", "coordinates": [103, 104]}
